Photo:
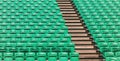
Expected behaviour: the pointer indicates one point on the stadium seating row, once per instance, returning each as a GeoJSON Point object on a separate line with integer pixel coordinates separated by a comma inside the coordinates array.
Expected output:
{"type": "Point", "coordinates": [40, 56]}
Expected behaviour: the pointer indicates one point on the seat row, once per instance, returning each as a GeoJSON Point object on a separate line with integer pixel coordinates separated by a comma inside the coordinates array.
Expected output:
{"type": "Point", "coordinates": [98, 40]}
{"type": "Point", "coordinates": [112, 54]}
{"type": "Point", "coordinates": [30, 17]}
{"type": "Point", "coordinates": [109, 44]}
{"type": "Point", "coordinates": [40, 56]}
{"type": "Point", "coordinates": [36, 21]}
{"type": "Point", "coordinates": [35, 44]}
{"type": "Point", "coordinates": [35, 40]}
{"type": "Point", "coordinates": [32, 28]}
{"type": "Point", "coordinates": [106, 35]}
{"type": "Point", "coordinates": [32, 24]}
{"type": "Point", "coordinates": [109, 49]}
{"type": "Point", "coordinates": [42, 31]}
{"type": "Point", "coordinates": [32, 35]}
{"type": "Point", "coordinates": [37, 49]}
{"type": "Point", "coordinates": [104, 31]}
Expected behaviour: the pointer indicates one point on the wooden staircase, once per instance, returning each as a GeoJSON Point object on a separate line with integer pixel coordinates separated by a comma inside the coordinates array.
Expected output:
{"type": "Point", "coordinates": [84, 44]}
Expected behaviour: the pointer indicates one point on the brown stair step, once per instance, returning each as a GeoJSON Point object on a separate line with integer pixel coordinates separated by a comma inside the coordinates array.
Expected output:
{"type": "Point", "coordinates": [70, 15]}
{"type": "Point", "coordinates": [86, 51]}
{"type": "Point", "coordinates": [82, 38]}
{"type": "Point", "coordinates": [65, 11]}
{"type": "Point", "coordinates": [64, 4]}
{"type": "Point", "coordinates": [78, 34]}
{"type": "Point", "coordinates": [83, 46]}
{"type": "Point", "coordinates": [76, 27]}
{"type": "Point", "coordinates": [72, 21]}
{"type": "Point", "coordinates": [67, 5]}
{"type": "Point", "coordinates": [72, 18]}
{"type": "Point", "coordinates": [91, 59]}
{"type": "Point", "coordinates": [73, 24]}
{"type": "Point", "coordinates": [89, 55]}
{"type": "Point", "coordinates": [78, 30]}
{"type": "Point", "coordinates": [82, 42]}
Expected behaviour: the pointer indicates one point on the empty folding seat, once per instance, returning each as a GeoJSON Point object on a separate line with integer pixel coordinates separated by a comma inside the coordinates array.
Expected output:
{"type": "Point", "coordinates": [19, 56]}
{"type": "Point", "coordinates": [41, 56]}
{"type": "Point", "coordinates": [103, 44]}
{"type": "Point", "coordinates": [71, 47]}
{"type": "Point", "coordinates": [74, 56]}
{"type": "Point", "coordinates": [117, 35]}
{"type": "Point", "coordinates": [110, 40]}
{"type": "Point", "coordinates": [107, 35]}
{"type": "Point", "coordinates": [111, 59]}
{"type": "Point", "coordinates": [52, 56]}
{"type": "Point", "coordinates": [115, 49]}
{"type": "Point", "coordinates": [64, 40]}
{"type": "Point", "coordinates": [63, 56]}
{"type": "Point", "coordinates": [115, 31]}
{"type": "Point", "coordinates": [117, 54]}
{"type": "Point", "coordinates": [62, 46]}
{"type": "Point", "coordinates": [105, 49]}
{"type": "Point", "coordinates": [113, 44]}
{"type": "Point", "coordinates": [98, 40]}
{"type": "Point", "coordinates": [95, 31]}
{"type": "Point", "coordinates": [97, 35]}
{"type": "Point", "coordinates": [30, 56]}
{"type": "Point", "coordinates": [8, 57]}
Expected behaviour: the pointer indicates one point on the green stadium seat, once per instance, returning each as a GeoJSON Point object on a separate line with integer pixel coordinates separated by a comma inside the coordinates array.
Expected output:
{"type": "Point", "coordinates": [111, 59]}
{"type": "Point", "coordinates": [115, 49]}
{"type": "Point", "coordinates": [74, 56]}
{"type": "Point", "coordinates": [109, 54]}
{"type": "Point", "coordinates": [71, 47]}
{"type": "Point", "coordinates": [8, 56]}
{"type": "Point", "coordinates": [19, 56]}
{"type": "Point", "coordinates": [41, 56]}
{"type": "Point", "coordinates": [103, 44]}
{"type": "Point", "coordinates": [63, 56]}
{"type": "Point", "coordinates": [30, 56]}
{"type": "Point", "coordinates": [113, 44]}
{"type": "Point", "coordinates": [52, 56]}
{"type": "Point", "coordinates": [117, 54]}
